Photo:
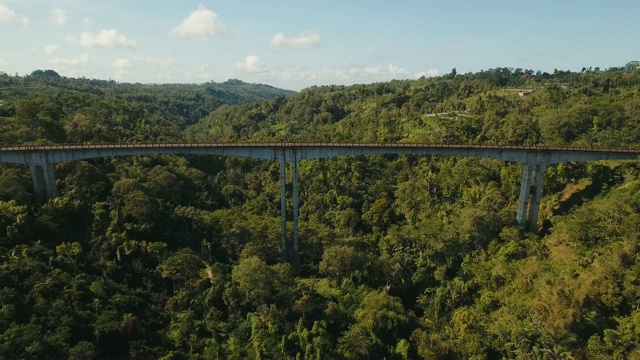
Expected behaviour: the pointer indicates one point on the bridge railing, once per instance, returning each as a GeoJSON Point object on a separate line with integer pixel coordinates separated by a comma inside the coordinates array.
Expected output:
{"type": "Point", "coordinates": [313, 144]}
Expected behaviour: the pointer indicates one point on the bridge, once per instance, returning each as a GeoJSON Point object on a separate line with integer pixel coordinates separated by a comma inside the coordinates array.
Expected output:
{"type": "Point", "coordinates": [41, 160]}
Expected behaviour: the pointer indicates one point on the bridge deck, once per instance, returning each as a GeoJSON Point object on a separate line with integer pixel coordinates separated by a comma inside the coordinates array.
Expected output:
{"type": "Point", "coordinates": [55, 147]}
{"type": "Point", "coordinates": [41, 160]}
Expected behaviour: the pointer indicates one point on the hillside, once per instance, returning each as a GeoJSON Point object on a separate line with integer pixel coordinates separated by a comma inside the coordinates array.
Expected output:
{"type": "Point", "coordinates": [403, 257]}
{"type": "Point", "coordinates": [589, 108]}
{"type": "Point", "coordinates": [47, 106]}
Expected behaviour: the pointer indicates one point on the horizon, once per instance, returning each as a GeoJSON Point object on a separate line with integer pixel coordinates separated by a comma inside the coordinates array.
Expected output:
{"type": "Point", "coordinates": [296, 45]}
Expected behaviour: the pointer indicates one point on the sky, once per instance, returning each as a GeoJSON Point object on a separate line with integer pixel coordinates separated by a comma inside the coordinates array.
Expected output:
{"type": "Point", "coordinates": [294, 44]}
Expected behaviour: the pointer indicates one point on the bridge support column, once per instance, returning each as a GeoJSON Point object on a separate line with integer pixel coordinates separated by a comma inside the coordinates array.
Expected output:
{"type": "Point", "coordinates": [283, 207]}
{"type": "Point", "coordinates": [289, 251]}
{"type": "Point", "coordinates": [44, 181]}
{"type": "Point", "coordinates": [525, 188]}
{"type": "Point", "coordinates": [296, 246]}
{"type": "Point", "coordinates": [534, 206]}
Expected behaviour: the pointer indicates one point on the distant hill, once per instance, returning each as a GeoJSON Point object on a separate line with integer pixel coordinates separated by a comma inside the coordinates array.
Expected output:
{"type": "Point", "coordinates": [237, 92]}
{"type": "Point", "coordinates": [192, 101]}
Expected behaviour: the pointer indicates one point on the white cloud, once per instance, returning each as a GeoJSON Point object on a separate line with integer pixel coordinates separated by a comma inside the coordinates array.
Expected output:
{"type": "Point", "coordinates": [59, 16]}
{"type": "Point", "coordinates": [78, 61]}
{"type": "Point", "coordinates": [303, 40]}
{"type": "Point", "coordinates": [396, 71]}
{"type": "Point", "coordinates": [428, 73]}
{"type": "Point", "coordinates": [105, 39]}
{"type": "Point", "coordinates": [196, 73]}
{"type": "Point", "coordinates": [201, 23]}
{"type": "Point", "coordinates": [86, 21]}
{"type": "Point", "coordinates": [122, 64]}
{"type": "Point", "coordinates": [252, 64]}
{"type": "Point", "coordinates": [165, 77]}
{"type": "Point", "coordinates": [50, 49]}
{"type": "Point", "coordinates": [372, 72]}
{"type": "Point", "coordinates": [341, 76]}
{"type": "Point", "coordinates": [152, 61]}
{"type": "Point", "coordinates": [10, 18]}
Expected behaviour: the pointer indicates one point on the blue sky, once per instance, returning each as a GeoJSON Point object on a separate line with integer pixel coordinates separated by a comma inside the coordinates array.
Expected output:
{"type": "Point", "coordinates": [296, 44]}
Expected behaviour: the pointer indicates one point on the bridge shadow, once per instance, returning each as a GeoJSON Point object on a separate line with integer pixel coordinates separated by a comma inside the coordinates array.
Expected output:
{"type": "Point", "coordinates": [603, 177]}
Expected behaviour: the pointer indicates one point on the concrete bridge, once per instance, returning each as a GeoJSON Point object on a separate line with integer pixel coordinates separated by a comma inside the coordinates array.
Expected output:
{"type": "Point", "coordinates": [41, 160]}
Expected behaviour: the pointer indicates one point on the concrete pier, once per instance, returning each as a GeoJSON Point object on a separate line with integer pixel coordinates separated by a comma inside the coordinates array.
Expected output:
{"type": "Point", "coordinates": [296, 213]}
{"type": "Point", "coordinates": [534, 206]}
{"type": "Point", "coordinates": [283, 208]}
{"type": "Point", "coordinates": [525, 188]}
{"type": "Point", "coordinates": [43, 177]}
{"type": "Point", "coordinates": [289, 250]}
{"type": "Point", "coordinates": [534, 167]}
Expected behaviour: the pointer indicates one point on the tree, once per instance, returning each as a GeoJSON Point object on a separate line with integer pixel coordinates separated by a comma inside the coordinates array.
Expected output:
{"type": "Point", "coordinates": [184, 266]}
{"type": "Point", "coordinates": [259, 283]}
{"type": "Point", "coordinates": [343, 261]}
{"type": "Point", "coordinates": [381, 323]}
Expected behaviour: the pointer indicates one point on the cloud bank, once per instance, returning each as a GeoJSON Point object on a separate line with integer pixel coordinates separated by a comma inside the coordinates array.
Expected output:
{"type": "Point", "coordinates": [300, 41]}
{"type": "Point", "coordinates": [104, 39]}
{"type": "Point", "coordinates": [252, 64]}
{"type": "Point", "coordinates": [59, 17]}
{"type": "Point", "coordinates": [80, 60]}
{"type": "Point", "coordinates": [9, 18]}
{"type": "Point", "coordinates": [122, 64]}
{"type": "Point", "coordinates": [50, 49]}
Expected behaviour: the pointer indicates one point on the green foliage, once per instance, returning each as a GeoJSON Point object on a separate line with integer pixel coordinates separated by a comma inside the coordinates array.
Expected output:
{"type": "Point", "coordinates": [258, 283]}
{"type": "Point", "coordinates": [403, 257]}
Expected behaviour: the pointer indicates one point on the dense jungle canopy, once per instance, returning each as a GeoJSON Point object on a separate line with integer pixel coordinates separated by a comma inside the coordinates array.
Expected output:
{"type": "Point", "coordinates": [403, 257]}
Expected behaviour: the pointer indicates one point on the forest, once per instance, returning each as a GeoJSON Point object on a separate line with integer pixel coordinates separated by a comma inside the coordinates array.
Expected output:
{"type": "Point", "coordinates": [402, 257]}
